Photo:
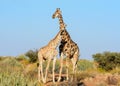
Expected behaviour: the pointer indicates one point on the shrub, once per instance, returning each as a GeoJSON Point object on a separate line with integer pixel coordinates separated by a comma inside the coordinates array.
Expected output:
{"type": "Point", "coordinates": [115, 71]}
{"type": "Point", "coordinates": [21, 57]}
{"type": "Point", "coordinates": [84, 65]}
{"type": "Point", "coordinates": [32, 55]}
{"type": "Point", "coordinates": [107, 60]}
{"type": "Point", "coordinates": [82, 75]}
{"type": "Point", "coordinates": [12, 74]}
{"type": "Point", "coordinates": [10, 64]}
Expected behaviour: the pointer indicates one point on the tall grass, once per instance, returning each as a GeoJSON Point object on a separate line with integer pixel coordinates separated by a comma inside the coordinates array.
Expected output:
{"type": "Point", "coordinates": [85, 65]}
{"type": "Point", "coordinates": [15, 79]}
{"type": "Point", "coordinates": [12, 74]}
{"type": "Point", "coordinates": [19, 72]}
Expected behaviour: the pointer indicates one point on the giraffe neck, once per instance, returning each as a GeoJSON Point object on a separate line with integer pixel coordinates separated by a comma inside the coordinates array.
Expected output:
{"type": "Point", "coordinates": [65, 37]}
{"type": "Point", "coordinates": [55, 41]}
{"type": "Point", "coordinates": [61, 22]}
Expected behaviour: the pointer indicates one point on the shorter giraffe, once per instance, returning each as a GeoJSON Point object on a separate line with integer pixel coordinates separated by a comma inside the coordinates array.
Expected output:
{"type": "Point", "coordinates": [67, 48]}
{"type": "Point", "coordinates": [48, 52]}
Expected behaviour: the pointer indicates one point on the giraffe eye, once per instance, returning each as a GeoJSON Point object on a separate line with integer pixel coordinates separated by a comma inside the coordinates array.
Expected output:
{"type": "Point", "coordinates": [65, 49]}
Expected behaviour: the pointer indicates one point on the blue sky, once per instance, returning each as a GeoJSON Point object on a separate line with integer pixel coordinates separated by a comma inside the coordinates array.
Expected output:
{"type": "Point", "coordinates": [27, 24]}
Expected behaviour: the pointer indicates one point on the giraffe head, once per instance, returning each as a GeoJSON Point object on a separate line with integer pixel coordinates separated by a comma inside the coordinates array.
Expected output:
{"type": "Point", "coordinates": [57, 13]}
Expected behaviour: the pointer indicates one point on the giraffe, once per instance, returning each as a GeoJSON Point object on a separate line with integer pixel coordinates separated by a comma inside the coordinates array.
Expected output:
{"type": "Point", "coordinates": [68, 48]}
{"type": "Point", "coordinates": [48, 52]}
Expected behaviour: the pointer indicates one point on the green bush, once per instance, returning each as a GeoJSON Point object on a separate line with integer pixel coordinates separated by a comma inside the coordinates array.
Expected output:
{"type": "Point", "coordinates": [107, 60]}
{"type": "Point", "coordinates": [32, 55]}
{"type": "Point", "coordinates": [21, 57]}
{"type": "Point", "coordinates": [84, 65]}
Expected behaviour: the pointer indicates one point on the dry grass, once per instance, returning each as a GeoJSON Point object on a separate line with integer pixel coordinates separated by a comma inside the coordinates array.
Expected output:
{"type": "Point", "coordinates": [14, 72]}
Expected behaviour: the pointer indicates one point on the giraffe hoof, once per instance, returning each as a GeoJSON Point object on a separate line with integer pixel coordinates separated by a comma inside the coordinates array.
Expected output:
{"type": "Point", "coordinates": [53, 81]}
{"type": "Point", "coordinates": [43, 81]}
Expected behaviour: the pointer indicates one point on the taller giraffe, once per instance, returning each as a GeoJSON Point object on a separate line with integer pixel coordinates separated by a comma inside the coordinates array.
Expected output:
{"type": "Point", "coordinates": [48, 52]}
{"type": "Point", "coordinates": [67, 48]}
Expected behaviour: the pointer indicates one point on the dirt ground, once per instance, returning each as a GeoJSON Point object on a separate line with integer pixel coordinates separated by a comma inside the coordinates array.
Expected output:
{"type": "Point", "coordinates": [98, 80]}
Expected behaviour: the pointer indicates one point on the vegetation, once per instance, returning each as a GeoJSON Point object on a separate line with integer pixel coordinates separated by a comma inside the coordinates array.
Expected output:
{"type": "Point", "coordinates": [22, 70]}
{"type": "Point", "coordinates": [32, 55]}
{"type": "Point", "coordinates": [12, 73]}
{"type": "Point", "coordinates": [107, 60]}
{"type": "Point", "coordinates": [84, 65]}
{"type": "Point", "coordinates": [21, 57]}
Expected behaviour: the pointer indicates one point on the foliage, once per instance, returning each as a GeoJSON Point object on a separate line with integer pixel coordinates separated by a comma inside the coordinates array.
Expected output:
{"type": "Point", "coordinates": [116, 71]}
{"type": "Point", "coordinates": [57, 66]}
{"type": "Point", "coordinates": [107, 60]}
{"type": "Point", "coordinates": [84, 65]}
{"type": "Point", "coordinates": [0, 58]}
{"type": "Point", "coordinates": [15, 79]}
{"type": "Point", "coordinates": [5, 57]}
{"type": "Point", "coordinates": [21, 57]}
{"type": "Point", "coordinates": [82, 75]}
{"type": "Point", "coordinates": [9, 64]}
{"type": "Point", "coordinates": [32, 55]}
{"type": "Point", "coordinates": [12, 74]}
{"type": "Point", "coordinates": [81, 65]}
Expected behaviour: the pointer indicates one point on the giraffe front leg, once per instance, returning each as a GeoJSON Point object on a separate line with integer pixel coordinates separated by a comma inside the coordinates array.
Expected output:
{"type": "Point", "coordinates": [41, 70]}
{"type": "Point", "coordinates": [61, 66]}
{"type": "Point", "coordinates": [47, 68]}
{"type": "Point", "coordinates": [54, 61]}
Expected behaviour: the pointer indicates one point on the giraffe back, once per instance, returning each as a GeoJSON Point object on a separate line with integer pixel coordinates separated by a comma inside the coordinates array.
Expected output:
{"type": "Point", "coordinates": [68, 46]}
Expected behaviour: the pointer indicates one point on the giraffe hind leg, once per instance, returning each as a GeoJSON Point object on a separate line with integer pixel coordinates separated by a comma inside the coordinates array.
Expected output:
{"type": "Point", "coordinates": [74, 62]}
